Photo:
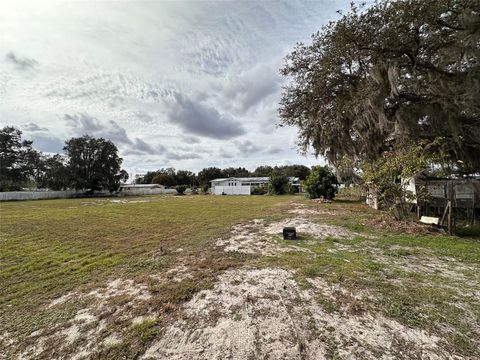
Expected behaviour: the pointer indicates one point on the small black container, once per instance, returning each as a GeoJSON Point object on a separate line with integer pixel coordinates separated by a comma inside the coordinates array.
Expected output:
{"type": "Point", "coordinates": [289, 233]}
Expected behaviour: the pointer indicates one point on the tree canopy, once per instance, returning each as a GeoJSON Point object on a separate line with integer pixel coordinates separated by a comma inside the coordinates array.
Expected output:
{"type": "Point", "coordinates": [17, 159]}
{"type": "Point", "coordinates": [94, 164]}
{"type": "Point", "coordinates": [398, 69]}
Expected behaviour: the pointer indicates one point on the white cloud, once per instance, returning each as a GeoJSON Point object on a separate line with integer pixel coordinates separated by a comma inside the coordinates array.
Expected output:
{"type": "Point", "coordinates": [151, 75]}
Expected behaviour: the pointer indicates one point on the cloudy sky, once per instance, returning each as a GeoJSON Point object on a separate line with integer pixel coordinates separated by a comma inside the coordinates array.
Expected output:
{"type": "Point", "coordinates": [187, 84]}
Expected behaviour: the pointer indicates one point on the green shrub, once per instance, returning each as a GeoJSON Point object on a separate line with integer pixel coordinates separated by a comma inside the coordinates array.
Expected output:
{"type": "Point", "coordinates": [321, 182]}
{"type": "Point", "coordinates": [386, 177]}
{"type": "Point", "coordinates": [290, 189]}
{"type": "Point", "coordinates": [260, 190]}
{"type": "Point", "coordinates": [181, 189]}
{"type": "Point", "coordinates": [278, 183]}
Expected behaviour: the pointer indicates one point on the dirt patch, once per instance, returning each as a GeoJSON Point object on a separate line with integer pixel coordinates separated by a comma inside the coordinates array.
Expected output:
{"type": "Point", "coordinates": [61, 300]}
{"type": "Point", "coordinates": [305, 226]}
{"type": "Point", "coordinates": [126, 201]}
{"type": "Point", "coordinates": [264, 314]}
{"type": "Point", "coordinates": [258, 237]}
{"type": "Point", "coordinates": [247, 239]}
{"type": "Point", "coordinates": [178, 273]}
{"type": "Point", "coordinates": [84, 334]}
{"type": "Point", "coordinates": [310, 211]}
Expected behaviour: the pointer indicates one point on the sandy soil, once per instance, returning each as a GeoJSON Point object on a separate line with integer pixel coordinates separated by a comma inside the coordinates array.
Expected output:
{"type": "Point", "coordinates": [82, 335]}
{"type": "Point", "coordinates": [257, 237]}
{"type": "Point", "coordinates": [262, 313]}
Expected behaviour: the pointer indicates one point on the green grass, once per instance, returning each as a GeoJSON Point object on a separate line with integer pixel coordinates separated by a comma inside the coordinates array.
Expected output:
{"type": "Point", "coordinates": [50, 248]}
{"type": "Point", "coordinates": [414, 298]}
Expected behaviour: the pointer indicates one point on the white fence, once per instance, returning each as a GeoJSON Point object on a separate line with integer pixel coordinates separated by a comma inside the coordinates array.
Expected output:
{"type": "Point", "coordinates": [232, 190]}
{"type": "Point", "coordinates": [37, 195]}
{"type": "Point", "coordinates": [41, 195]}
{"type": "Point", "coordinates": [137, 192]}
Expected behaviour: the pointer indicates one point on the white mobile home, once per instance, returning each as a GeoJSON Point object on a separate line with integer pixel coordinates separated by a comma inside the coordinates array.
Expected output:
{"type": "Point", "coordinates": [243, 186]}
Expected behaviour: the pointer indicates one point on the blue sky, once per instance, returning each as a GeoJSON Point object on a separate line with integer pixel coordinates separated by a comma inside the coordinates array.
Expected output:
{"type": "Point", "coordinates": [172, 83]}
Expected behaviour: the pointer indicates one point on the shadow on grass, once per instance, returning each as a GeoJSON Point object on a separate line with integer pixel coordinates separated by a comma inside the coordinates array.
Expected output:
{"type": "Point", "coordinates": [349, 201]}
{"type": "Point", "coordinates": [469, 232]}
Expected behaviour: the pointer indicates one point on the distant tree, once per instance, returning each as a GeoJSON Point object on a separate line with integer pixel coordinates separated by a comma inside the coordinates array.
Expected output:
{"type": "Point", "coordinates": [54, 173]}
{"type": "Point", "coordinates": [263, 171]}
{"type": "Point", "coordinates": [392, 71]}
{"type": "Point", "coordinates": [300, 171]}
{"type": "Point", "coordinates": [121, 177]}
{"type": "Point", "coordinates": [148, 177]}
{"type": "Point", "coordinates": [164, 179]}
{"type": "Point", "coordinates": [278, 183]}
{"type": "Point", "coordinates": [18, 160]}
{"type": "Point", "coordinates": [208, 174]}
{"type": "Point", "coordinates": [321, 182]}
{"type": "Point", "coordinates": [93, 164]}
{"type": "Point", "coordinates": [235, 172]}
{"type": "Point", "coordinates": [185, 177]}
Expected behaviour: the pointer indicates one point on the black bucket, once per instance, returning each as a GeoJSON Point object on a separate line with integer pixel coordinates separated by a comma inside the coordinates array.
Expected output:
{"type": "Point", "coordinates": [289, 233]}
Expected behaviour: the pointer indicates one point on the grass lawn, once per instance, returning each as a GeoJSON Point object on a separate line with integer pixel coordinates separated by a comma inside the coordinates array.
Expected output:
{"type": "Point", "coordinates": [86, 277]}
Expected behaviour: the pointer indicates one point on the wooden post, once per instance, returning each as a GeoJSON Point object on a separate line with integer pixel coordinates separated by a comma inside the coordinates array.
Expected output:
{"type": "Point", "coordinates": [473, 209]}
{"type": "Point", "coordinates": [445, 213]}
{"type": "Point", "coordinates": [450, 208]}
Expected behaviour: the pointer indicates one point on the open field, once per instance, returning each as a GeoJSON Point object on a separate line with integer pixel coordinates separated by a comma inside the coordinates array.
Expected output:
{"type": "Point", "coordinates": [85, 278]}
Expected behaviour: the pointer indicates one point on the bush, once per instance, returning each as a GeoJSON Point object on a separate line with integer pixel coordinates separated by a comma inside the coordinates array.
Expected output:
{"type": "Point", "coordinates": [290, 189]}
{"type": "Point", "coordinates": [181, 189]}
{"type": "Point", "coordinates": [321, 182]}
{"type": "Point", "coordinates": [387, 177]}
{"type": "Point", "coordinates": [205, 189]}
{"type": "Point", "coordinates": [260, 190]}
{"type": "Point", "coordinates": [278, 183]}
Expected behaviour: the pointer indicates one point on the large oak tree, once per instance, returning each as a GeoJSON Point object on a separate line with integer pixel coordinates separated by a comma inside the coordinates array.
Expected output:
{"type": "Point", "coordinates": [93, 164]}
{"type": "Point", "coordinates": [398, 70]}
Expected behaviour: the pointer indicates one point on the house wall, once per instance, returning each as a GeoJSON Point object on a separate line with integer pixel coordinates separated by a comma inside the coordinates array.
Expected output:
{"type": "Point", "coordinates": [146, 191]}
{"type": "Point", "coordinates": [231, 190]}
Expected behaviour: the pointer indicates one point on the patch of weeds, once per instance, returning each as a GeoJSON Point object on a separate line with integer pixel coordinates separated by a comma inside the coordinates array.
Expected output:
{"type": "Point", "coordinates": [134, 342]}
{"type": "Point", "coordinates": [312, 271]}
{"type": "Point", "coordinates": [463, 344]}
{"type": "Point", "coordinates": [400, 252]}
{"type": "Point", "coordinates": [328, 305]}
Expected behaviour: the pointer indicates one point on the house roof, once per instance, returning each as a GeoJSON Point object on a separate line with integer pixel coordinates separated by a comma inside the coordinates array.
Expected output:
{"type": "Point", "coordinates": [141, 185]}
{"type": "Point", "coordinates": [251, 179]}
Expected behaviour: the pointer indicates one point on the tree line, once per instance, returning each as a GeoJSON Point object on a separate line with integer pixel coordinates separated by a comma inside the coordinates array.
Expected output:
{"type": "Point", "coordinates": [88, 164]}
{"type": "Point", "coordinates": [170, 177]}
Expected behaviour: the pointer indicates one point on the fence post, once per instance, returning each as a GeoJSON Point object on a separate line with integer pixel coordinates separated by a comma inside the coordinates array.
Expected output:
{"type": "Point", "coordinates": [450, 208]}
